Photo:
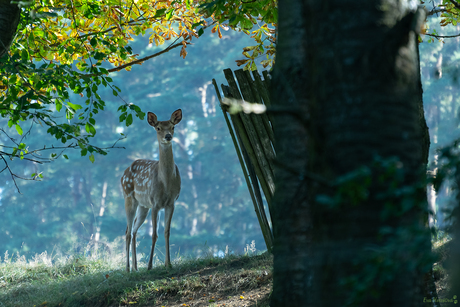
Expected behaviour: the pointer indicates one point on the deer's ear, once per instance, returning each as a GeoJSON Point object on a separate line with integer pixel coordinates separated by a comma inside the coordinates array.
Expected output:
{"type": "Point", "coordinates": [152, 119]}
{"type": "Point", "coordinates": [176, 117]}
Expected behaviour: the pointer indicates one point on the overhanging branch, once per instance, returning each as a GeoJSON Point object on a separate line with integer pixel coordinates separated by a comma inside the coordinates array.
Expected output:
{"type": "Point", "coordinates": [436, 11]}
{"type": "Point", "coordinates": [442, 36]}
{"type": "Point", "coordinates": [139, 61]}
{"type": "Point", "coordinates": [455, 3]}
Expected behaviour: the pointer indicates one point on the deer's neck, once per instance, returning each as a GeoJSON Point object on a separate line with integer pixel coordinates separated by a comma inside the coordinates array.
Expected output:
{"type": "Point", "coordinates": [167, 168]}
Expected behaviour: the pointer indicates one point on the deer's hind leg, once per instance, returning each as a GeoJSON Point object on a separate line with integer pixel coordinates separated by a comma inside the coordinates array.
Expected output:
{"type": "Point", "coordinates": [130, 207]}
{"type": "Point", "coordinates": [141, 214]}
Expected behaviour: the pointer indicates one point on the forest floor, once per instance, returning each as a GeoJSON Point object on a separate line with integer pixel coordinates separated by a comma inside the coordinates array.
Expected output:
{"type": "Point", "coordinates": [230, 281]}
{"type": "Point", "coordinates": [442, 251]}
{"type": "Point", "coordinates": [99, 281]}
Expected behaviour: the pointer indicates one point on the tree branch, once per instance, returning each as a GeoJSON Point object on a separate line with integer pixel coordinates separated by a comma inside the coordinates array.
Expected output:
{"type": "Point", "coordinates": [442, 36]}
{"type": "Point", "coordinates": [435, 11]}
{"type": "Point", "coordinates": [170, 47]}
{"type": "Point", "coordinates": [139, 61]}
{"type": "Point", "coordinates": [11, 173]}
{"type": "Point", "coordinates": [455, 3]}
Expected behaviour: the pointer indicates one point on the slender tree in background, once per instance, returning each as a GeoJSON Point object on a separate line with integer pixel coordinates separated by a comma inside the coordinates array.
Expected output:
{"type": "Point", "coordinates": [349, 201]}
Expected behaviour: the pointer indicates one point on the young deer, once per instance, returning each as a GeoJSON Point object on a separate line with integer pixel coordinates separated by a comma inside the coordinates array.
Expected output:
{"type": "Point", "coordinates": [152, 184]}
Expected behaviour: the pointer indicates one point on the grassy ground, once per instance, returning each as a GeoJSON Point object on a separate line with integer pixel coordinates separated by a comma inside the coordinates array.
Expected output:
{"type": "Point", "coordinates": [442, 250]}
{"type": "Point", "coordinates": [102, 281]}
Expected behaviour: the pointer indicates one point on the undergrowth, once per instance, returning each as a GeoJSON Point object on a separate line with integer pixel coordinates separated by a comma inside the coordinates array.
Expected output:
{"type": "Point", "coordinates": [101, 280]}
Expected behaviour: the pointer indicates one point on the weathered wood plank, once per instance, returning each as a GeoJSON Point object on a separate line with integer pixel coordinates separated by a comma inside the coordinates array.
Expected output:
{"type": "Point", "coordinates": [259, 92]}
{"type": "Point", "coordinates": [241, 123]}
{"type": "Point", "coordinates": [260, 141]}
{"type": "Point", "coordinates": [252, 185]}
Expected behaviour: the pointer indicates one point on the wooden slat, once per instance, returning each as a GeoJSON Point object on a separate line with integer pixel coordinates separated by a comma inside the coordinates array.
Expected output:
{"type": "Point", "coordinates": [252, 136]}
{"type": "Point", "coordinates": [258, 135]}
{"type": "Point", "coordinates": [253, 186]}
{"type": "Point", "coordinates": [249, 137]}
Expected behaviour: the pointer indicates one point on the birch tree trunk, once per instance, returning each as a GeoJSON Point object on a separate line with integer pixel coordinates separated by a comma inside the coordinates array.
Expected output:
{"type": "Point", "coordinates": [346, 94]}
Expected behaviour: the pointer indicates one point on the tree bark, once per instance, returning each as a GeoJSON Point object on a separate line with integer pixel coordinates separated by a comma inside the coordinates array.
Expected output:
{"type": "Point", "coordinates": [346, 92]}
{"type": "Point", "coordinates": [9, 20]}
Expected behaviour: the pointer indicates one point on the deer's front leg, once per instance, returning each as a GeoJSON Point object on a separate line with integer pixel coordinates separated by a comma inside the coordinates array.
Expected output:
{"type": "Point", "coordinates": [169, 211]}
{"type": "Point", "coordinates": [154, 235]}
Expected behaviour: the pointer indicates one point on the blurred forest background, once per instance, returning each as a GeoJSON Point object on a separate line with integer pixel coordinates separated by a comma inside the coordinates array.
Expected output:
{"type": "Point", "coordinates": [78, 202]}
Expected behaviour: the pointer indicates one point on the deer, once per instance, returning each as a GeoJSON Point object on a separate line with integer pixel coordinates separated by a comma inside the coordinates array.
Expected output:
{"type": "Point", "coordinates": [152, 184]}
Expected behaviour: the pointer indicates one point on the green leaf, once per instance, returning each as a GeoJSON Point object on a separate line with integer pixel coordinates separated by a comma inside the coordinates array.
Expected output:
{"type": "Point", "coordinates": [123, 116]}
{"type": "Point", "coordinates": [74, 106]}
{"type": "Point", "coordinates": [65, 156]}
{"type": "Point", "coordinates": [58, 106]}
{"type": "Point", "coordinates": [91, 158]}
{"type": "Point", "coordinates": [24, 55]}
{"type": "Point", "coordinates": [129, 120]}
{"type": "Point", "coordinates": [99, 56]}
{"type": "Point", "coordinates": [197, 24]}
{"type": "Point", "coordinates": [18, 129]}
{"type": "Point", "coordinates": [141, 115]}
{"type": "Point", "coordinates": [90, 129]}
{"type": "Point", "coordinates": [159, 13]}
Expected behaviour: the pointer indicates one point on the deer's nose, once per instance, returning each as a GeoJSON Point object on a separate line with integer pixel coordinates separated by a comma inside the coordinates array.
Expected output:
{"type": "Point", "coordinates": [168, 137]}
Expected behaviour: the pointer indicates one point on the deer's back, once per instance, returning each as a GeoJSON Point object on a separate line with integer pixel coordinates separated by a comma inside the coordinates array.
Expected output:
{"type": "Point", "coordinates": [141, 181]}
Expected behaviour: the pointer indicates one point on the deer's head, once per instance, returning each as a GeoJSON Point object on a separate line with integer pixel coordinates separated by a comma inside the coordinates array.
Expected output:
{"type": "Point", "coordinates": [164, 129]}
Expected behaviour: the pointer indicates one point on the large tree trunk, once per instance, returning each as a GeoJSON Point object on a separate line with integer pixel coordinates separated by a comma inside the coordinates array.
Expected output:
{"type": "Point", "coordinates": [9, 20]}
{"type": "Point", "coordinates": [346, 90]}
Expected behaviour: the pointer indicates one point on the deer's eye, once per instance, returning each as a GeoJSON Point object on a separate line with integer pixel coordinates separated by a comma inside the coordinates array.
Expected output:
{"type": "Point", "coordinates": [173, 128]}
{"type": "Point", "coordinates": [158, 128]}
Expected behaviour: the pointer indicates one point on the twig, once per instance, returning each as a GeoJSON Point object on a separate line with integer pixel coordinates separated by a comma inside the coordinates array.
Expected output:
{"type": "Point", "coordinates": [141, 60]}
{"type": "Point", "coordinates": [11, 173]}
{"type": "Point", "coordinates": [435, 11]}
{"type": "Point", "coordinates": [170, 47]}
{"type": "Point", "coordinates": [442, 36]}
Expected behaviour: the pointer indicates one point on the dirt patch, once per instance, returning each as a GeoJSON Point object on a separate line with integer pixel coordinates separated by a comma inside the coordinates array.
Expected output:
{"type": "Point", "coordinates": [244, 281]}
{"type": "Point", "coordinates": [256, 297]}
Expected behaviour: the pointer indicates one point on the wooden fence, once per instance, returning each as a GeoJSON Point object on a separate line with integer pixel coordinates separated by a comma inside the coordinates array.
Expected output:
{"type": "Point", "coordinates": [253, 138]}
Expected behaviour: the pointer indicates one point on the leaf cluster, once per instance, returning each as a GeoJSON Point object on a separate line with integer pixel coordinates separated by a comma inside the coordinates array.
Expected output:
{"type": "Point", "coordinates": [63, 48]}
{"type": "Point", "coordinates": [245, 16]}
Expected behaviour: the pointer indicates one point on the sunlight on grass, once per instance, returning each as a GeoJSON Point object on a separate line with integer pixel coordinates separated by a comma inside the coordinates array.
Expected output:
{"type": "Point", "coordinates": [99, 278]}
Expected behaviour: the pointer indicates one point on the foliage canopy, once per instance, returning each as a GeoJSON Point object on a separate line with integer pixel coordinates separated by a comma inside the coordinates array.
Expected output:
{"type": "Point", "coordinates": [65, 46]}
